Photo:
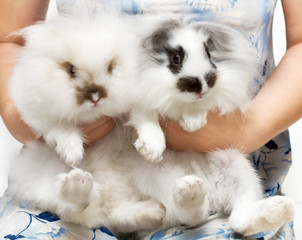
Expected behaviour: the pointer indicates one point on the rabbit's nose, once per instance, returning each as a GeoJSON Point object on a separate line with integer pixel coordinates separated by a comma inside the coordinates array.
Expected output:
{"type": "Point", "coordinates": [94, 97]}
{"type": "Point", "coordinates": [189, 84]}
{"type": "Point", "coordinates": [90, 92]}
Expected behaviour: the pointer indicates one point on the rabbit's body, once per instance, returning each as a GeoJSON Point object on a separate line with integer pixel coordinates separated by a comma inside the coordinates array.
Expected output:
{"type": "Point", "coordinates": [190, 69]}
{"type": "Point", "coordinates": [117, 188]}
{"type": "Point", "coordinates": [63, 80]}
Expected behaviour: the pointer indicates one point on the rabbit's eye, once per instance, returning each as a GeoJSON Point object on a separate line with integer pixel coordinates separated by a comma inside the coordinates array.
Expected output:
{"type": "Point", "coordinates": [111, 66]}
{"type": "Point", "coordinates": [176, 59]}
{"type": "Point", "coordinates": [70, 69]}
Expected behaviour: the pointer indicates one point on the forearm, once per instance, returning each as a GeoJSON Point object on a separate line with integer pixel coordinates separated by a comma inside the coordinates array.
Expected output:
{"type": "Point", "coordinates": [279, 103]}
{"type": "Point", "coordinates": [15, 15]}
{"type": "Point", "coordinates": [8, 56]}
{"type": "Point", "coordinates": [274, 109]}
{"type": "Point", "coordinates": [8, 111]}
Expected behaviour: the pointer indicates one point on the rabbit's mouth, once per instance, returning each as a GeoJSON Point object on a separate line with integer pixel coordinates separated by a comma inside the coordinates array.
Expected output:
{"type": "Point", "coordinates": [94, 98]}
{"type": "Point", "coordinates": [200, 95]}
{"type": "Point", "coordinates": [91, 92]}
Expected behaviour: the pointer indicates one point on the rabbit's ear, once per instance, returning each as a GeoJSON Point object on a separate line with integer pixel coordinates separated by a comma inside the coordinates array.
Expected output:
{"type": "Point", "coordinates": [156, 44]}
{"type": "Point", "coordinates": [224, 43]}
{"type": "Point", "coordinates": [219, 37]}
{"type": "Point", "coordinates": [158, 40]}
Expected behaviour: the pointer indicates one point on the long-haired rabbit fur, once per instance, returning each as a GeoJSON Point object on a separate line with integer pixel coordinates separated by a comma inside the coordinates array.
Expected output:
{"type": "Point", "coordinates": [190, 69]}
{"type": "Point", "coordinates": [72, 71]}
{"type": "Point", "coordinates": [185, 70]}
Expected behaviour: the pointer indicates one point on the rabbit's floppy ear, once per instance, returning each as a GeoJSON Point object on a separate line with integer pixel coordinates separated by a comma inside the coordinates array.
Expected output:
{"type": "Point", "coordinates": [220, 36]}
{"type": "Point", "coordinates": [159, 38]}
{"type": "Point", "coordinates": [225, 43]}
{"type": "Point", "coordinates": [156, 42]}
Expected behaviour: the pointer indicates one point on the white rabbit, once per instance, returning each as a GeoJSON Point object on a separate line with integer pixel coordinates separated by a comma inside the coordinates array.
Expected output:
{"type": "Point", "coordinates": [72, 71]}
{"type": "Point", "coordinates": [116, 188]}
{"type": "Point", "coordinates": [190, 69]}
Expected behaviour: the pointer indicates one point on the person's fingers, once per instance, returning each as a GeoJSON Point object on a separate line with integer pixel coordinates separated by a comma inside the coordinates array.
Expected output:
{"type": "Point", "coordinates": [98, 129]}
{"type": "Point", "coordinates": [175, 136]}
{"type": "Point", "coordinates": [88, 127]}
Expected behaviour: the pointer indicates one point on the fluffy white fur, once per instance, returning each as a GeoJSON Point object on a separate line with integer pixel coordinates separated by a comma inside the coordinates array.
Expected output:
{"type": "Point", "coordinates": [116, 188]}
{"type": "Point", "coordinates": [60, 64]}
{"type": "Point", "coordinates": [235, 67]}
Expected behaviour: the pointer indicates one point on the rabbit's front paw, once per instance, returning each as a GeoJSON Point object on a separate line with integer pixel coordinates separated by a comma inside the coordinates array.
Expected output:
{"type": "Point", "coordinates": [151, 145]}
{"type": "Point", "coordinates": [71, 150]}
{"type": "Point", "coordinates": [191, 123]}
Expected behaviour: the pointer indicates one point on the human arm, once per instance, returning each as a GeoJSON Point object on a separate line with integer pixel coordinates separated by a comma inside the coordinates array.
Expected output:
{"type": "Point", "coordinates": [274, 109]}
{"type": "Point", "coordinates": [15, 15]}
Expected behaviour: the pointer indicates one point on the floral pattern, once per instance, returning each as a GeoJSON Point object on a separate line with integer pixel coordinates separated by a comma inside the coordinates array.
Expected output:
{"type": "Point", "coordinates": [24, 223]}
{"type": "Point", "coordinates": [254, 20]}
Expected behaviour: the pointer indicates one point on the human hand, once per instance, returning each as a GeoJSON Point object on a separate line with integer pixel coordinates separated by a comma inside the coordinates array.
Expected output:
{"type": "Point", "coordinates": [97, 129]}
{"type": "Point", "coordinates": [24, 133]}
{"type": "Point", "coordinates": [221, 131]}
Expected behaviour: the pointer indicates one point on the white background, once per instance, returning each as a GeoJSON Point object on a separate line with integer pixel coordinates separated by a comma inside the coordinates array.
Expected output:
{"type": "Point", "coordinates": [293, 183]}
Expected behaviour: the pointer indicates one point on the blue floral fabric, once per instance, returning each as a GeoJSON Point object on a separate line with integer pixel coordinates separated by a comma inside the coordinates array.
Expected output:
{"type": "Point", "coordinates": [21, 222]}
{"type": "Point", "coordinates": [254, 20]}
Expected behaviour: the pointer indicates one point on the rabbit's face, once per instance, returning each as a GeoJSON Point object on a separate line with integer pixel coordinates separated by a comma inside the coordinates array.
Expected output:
{"type": "Point", "coordinates": [80, 67]}
{"type": "Point", "coordinates": [91, 83]}
{"type": "Point", "coordinates": [183, 58]}
{"type": "Point", "coordinates": [189, 62]}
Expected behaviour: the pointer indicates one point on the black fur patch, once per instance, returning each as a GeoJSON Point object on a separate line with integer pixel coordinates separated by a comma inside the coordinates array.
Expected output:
{"type": "Point", "coordinates": [207, 50]}
{"type": "Point", "coordinates": [189, 84]}
{"type": "Point", "coordinates": [211, 78]}
{"type": "Point", "coordinates": [157, 43]}
{"type": "Point", "coordinates": [171, 54]}
{"type": "Point", "coordinates": [86, 91]}
{"type": "Point", "coordinates": [219, 42]}
{"type": "Point", "coordinates": [159, 39]}
{"type": "Point", "coordinates": [208, 47]}
{"type": "Point", "coordinates": [219, 39]}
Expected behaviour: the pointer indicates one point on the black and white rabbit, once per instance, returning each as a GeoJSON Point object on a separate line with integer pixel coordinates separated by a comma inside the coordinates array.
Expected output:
{"type": "Point", "coordinates": [69, 74]}
{"type": "Point", "coordinates": [115, 187]}
{"type": "Point", "coordinates": [190, 69]}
